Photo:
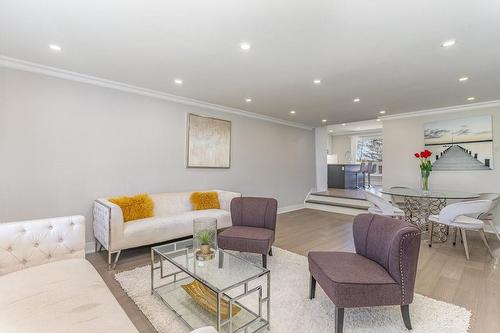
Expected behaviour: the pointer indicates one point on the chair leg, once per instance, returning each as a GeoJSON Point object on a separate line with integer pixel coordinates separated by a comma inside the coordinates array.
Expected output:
{"type": "Point", "coordinates": [455, 236]}
{"type": "Point", "coordinates": [271, 252]}
{"type": "Point", "coordinates": [485, 241]}
{"type": "Point", "coordinates": [494, 228]}
{"type": "Point", "coordinates": [312, 288]}
{"type": "Point", "coordinates": [339, 320]}
{"type": "Point", "coordinates": [466, 247]}
{"type": "Point", "coordinates": [405, 311]}
{"type": "Point", "coordinates": [264, 260]}
{"type": "Point", "coordinates": [431, 232]}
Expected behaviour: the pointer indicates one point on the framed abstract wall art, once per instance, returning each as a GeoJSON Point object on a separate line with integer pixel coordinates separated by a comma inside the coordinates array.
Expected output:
{"type": "Point", "coordinates": [208, 142]}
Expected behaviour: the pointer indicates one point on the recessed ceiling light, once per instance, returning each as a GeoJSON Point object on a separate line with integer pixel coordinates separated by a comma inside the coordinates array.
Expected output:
{"type": "Point", "coordinates": [343, 124]}
{"type": "Point", "coordinates": [382, 112]}
{"type": "Point", "coordinates": [292, 112]}
{"type": "Point", "coordinates": [463, 79]}
{"type": "Point", "coordinates": [55, 47]}
{"type": "Point", "coordinates": [178, 82]}
{"type": "Point", "coordinates": [471, 98]}
{"type": "Point", "coordinates": [248, 100]}
{"type": "Point", "coordinates": [323, 120]}
{"type": "Point", "coordinates": [448, 43]}
{"type": "Point", "coordinates": [356, 100]}
{"type": "Point", "coordinates": [317, 81]}
{"type": "Point", "coordinates": [378, 119]}
{"type": "Point", "coordinates": [245, 46]}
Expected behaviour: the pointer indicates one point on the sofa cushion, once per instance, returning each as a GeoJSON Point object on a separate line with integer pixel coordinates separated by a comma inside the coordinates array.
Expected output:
{"type": "Point", "coordinates": [171, 203]}
{"type": "Point", "coordinates": [63, 296]}
{"type": "Point", "coordinates": [246, 239]}
{"type": "Point", "coordinates": [136, 207]}
{"type": "Point", "coordinates": [351, 280]}
{"type": "Point", "coordinates": [153, 230]}
{"type": "Point", "coordinates": [205, 200]}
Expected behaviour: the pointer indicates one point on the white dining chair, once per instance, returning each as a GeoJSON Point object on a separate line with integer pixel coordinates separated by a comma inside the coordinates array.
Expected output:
{"type": "Point", "coordinates": [398, 200]}
{"type": "Point", "coordinates": [382, 206]}
{"type": "Point", "coordinates": [456, 216]}
{"type": "Point", "coordinates": [488, 216]}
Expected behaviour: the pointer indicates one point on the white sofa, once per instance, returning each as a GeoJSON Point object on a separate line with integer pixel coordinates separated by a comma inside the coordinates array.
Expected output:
{"type": "Point", "coordinates": [173, 218]}
{"type": "Point", "coordinates": [46, 285]}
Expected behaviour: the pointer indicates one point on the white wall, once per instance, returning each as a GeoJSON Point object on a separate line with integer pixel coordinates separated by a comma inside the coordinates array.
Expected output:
{"type": "Point", "coordinates": [321, 151]}
{"type": "Point", "coordinates": [64, 144]}
{"type": "Point", "coordinates": [340, 145]}
{"type": "Point", "coordinates": [404, 137]}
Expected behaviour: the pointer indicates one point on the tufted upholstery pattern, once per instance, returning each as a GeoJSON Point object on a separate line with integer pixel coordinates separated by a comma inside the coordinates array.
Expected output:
{"type": "Point", "coordinates": [32, 243]}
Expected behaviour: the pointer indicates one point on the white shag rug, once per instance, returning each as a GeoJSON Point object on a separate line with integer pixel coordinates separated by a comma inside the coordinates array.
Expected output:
{"type": "Point", "coordinates": [292, 311]}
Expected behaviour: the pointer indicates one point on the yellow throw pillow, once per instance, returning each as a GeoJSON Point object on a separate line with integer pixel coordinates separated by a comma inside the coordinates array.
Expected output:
{"type": "Point", "coordinates": [205, 200]}
{"type": "Point", "coordinates": [136, 207]}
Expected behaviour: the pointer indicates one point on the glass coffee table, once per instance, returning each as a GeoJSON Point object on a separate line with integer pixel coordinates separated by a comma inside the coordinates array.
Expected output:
{"type": "Point", "coordinates": [226, 282]}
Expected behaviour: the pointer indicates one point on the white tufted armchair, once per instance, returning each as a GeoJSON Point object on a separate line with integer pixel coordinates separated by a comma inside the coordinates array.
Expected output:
{"type": "Point", "coordinates": [36, 242]}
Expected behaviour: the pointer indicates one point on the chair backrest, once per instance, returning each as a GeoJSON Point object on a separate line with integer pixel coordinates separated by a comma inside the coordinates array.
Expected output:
{"type": "Point", "coordinates": [385, 206]}
{"type": "Point", "coordinates": [374, 168]}
{"type": "Point", "coordinates": [494, 197]}
{"type": "Point", "coordinates": [25, 244]}
{"type": "Point", "coordinates": [398, 199]}
{"type": "Point", "coordinates": [449, 213]}
{"type": "Point", "coordinates": [368, 167]}
{"type": "Point", "coordinates": [392, 243]}
{"type": "Point", "coordinates": [362, 167]}
{"type": "Point", "coordinates": [254, 212]}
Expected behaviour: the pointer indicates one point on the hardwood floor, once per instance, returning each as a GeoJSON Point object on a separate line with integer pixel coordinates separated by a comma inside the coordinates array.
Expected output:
{"type": "Point", "coordinates": [443, 271]}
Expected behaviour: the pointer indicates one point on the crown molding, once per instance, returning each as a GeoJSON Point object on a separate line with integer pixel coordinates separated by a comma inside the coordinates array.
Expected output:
{"type": "Point", "coordinates": [27, 66]}
{"type": "Point", "coordinates": [448, 109]}
{"type": "Point", "coordinates": [359, 133]}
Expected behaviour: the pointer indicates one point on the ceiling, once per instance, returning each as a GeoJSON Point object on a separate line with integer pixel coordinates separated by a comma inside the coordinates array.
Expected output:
{"type": "Point", "coordinates": [387, 52]}
{"type": "Point", "coordinates": [358, 127]}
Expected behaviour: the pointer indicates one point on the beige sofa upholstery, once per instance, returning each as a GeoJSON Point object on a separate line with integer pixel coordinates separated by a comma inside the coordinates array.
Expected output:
{"type": "Point", "coordinates": [46, 285]}
{"type": "Point", "coordinates": [173, 218]}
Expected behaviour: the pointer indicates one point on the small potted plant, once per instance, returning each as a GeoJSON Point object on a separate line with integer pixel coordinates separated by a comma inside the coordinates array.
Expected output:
{"type": "Point", "coordinates": [425, 168]}
{"type": "Point", "coordinates": [205, 239]}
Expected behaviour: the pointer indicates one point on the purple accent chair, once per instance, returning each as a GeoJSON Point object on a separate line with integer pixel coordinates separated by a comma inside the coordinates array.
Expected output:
{"type": "Point", "coordinates": [254, 223]}
{"type": "Point", "coordinates": [381, 272]}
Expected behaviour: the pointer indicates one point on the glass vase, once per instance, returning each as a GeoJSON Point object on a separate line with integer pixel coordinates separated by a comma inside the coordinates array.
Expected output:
{"type": "Point", "coordinates": [425, 180]}
{"type": "Point", "coordinates": [204, 238]}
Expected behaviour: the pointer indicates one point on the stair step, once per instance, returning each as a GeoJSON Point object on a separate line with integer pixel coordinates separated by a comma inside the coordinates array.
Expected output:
{"type": "Point", "coordinates": [338, 204]}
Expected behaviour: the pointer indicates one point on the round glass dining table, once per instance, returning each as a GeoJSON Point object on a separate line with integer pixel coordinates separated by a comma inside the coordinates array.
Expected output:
{"type": "Point", "coordinates": [418, 205]}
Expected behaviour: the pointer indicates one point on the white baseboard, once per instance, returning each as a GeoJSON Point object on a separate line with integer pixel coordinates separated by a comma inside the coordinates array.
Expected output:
{"type": "Point", "coordinates": [291, 208]}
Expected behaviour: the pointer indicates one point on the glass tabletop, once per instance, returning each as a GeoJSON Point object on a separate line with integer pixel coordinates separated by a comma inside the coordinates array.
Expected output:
{"type": "Point", "coordinates": [435, 194]}
{"type": "Point", "coordinates": [222, 272]}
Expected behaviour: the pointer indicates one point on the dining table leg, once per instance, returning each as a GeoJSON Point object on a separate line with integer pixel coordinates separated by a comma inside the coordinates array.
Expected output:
{"type": "Point", "coordinates": [417, 211]}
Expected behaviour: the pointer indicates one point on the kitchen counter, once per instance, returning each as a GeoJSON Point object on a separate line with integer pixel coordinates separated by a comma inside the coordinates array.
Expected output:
{"type": "Point", "coordinates": [342, 175]}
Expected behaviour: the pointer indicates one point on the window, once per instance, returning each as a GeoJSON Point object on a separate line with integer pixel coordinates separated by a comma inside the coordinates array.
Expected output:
{"type": "Point", "coordinates": [369, 149]}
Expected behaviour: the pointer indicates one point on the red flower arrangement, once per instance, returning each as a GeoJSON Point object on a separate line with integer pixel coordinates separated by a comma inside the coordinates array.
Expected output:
{"type": "Point", "coordinates": [424, 154]}
{"type": "Point", "coordinates": [425, 167]}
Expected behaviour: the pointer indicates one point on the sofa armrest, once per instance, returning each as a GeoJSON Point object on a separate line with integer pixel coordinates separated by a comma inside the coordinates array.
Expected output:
{"type": "Point", "coordinates": [225, 198]}
{"type": "Point", "coordinates": [108, 224]}
{"type": "Point", "coordinates": [25, 244]}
